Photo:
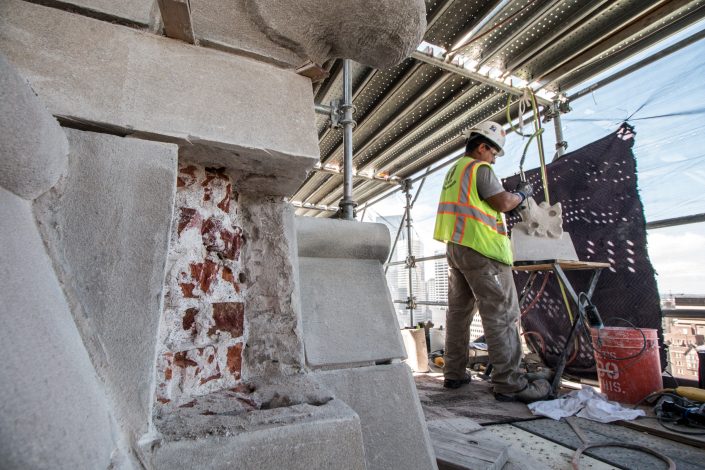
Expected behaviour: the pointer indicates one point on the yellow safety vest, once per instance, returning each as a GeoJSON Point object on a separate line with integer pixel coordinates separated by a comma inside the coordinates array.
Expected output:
{"type": "Point", "coordinates": [467, 220]}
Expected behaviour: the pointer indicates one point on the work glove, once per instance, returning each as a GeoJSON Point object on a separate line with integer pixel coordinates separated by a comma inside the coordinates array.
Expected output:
{"type": "Point", "coordinates": [525, 190]}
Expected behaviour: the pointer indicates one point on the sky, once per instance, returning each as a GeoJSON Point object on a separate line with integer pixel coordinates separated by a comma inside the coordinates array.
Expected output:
{"type": "Point", "coordinates": [665, 101]}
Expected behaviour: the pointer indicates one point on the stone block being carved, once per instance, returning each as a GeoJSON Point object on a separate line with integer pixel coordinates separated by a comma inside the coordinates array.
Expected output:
{"type": "Point", "coordinates": [540, 236]}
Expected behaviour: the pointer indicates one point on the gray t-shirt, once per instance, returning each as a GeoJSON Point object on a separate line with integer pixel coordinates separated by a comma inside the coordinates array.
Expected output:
{"type": "Point", "coordinates": [487, 183]}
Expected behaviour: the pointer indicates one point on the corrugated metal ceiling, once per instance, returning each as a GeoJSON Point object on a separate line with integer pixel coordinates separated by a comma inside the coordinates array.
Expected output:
{"type": "Point", "coordinates": [412, 115]}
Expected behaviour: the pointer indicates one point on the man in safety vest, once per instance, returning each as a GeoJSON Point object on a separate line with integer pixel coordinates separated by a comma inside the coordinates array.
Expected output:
{"type": "Point", "coordinates": [470, 221]}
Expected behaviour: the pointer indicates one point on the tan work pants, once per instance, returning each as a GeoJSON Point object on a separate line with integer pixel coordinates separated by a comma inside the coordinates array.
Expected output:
{"type": "Point", "coordinates": [474, 279]}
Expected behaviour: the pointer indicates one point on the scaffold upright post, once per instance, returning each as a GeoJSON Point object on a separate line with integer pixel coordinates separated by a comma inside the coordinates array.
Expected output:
{"type": "Point", "coordinates": [347, 205]}
{"type": "Point", "coordinates": [410, 261]}
{"type": "Point", "coordinates": [559, 106]}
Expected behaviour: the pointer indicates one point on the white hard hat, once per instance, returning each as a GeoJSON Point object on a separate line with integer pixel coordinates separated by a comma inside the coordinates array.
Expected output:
{"type": "Point", "coordinates": [491, 130]}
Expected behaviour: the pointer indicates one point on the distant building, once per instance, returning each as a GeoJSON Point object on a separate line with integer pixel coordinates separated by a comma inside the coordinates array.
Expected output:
{"type": "Point", "coordinates": [684, 333]}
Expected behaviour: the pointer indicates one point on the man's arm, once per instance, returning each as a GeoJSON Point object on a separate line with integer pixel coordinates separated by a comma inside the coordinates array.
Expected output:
{"type": "Point", "coordinates": [504, 201]}
{"type": "Point", "coordinates": [491, 190]}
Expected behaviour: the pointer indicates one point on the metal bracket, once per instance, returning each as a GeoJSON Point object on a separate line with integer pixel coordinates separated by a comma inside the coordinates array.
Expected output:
{"type": "Point", "coordinates": [411, 303]}
{"type": "Point", "coordinates": [561, 105]}
{"type": "Point", "coordinates": [410, 262]}
{"type": "Point", "coordinates": [336, 114]}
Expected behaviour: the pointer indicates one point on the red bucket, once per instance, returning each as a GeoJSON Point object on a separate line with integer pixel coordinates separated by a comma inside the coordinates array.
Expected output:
{"type": "Point", "coordinates": [628, 364]}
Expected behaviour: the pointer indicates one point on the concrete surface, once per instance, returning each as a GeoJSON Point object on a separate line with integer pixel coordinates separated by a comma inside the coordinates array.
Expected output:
{"type": "Point", "coordinates": [107, 228]}
{"type": "Point", "coordinates": [138, 12]}
{"type": "Point", "coordinates": [211, 103]}
{"type": "Point", "coordinates": [53, 412]}
{"type": "Point", "coordinates": [33, 148]}
{"type": "Point", "coordinates": [288, 33]}
{"type": "Point", "coordinates": [302, 437]}
{"type": "Point", "coordinates": [275, 345]}
{"type": "Point", "coordinates": [393, 427]}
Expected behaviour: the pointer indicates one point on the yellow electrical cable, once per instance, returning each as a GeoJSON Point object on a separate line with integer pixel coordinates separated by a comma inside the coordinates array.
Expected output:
{"type": "Point", "coordinates": [538, 130]}
{"type": "Point", "coordinates": [565, 300]}
{"type": "Point", "coordinates": [539, 142]}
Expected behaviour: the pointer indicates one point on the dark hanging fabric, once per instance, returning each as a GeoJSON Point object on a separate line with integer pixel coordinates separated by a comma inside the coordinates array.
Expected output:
{"type": "Point", "coordinates": [597, 188]}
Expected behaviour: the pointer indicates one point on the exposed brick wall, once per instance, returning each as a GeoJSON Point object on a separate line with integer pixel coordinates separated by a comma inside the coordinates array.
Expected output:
{"type": "Point", "coordinates": [203, 327]}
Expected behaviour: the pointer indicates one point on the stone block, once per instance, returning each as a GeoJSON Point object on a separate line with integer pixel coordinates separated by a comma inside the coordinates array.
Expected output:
{"type": "Point", "coordinates": [227, 25]}
{"type": "Point", "coordinates": [33, 148]}
{"type": "Point", "coordinates": [334, 238]}
{"type": "Point", "coordinates": [107, 226]}
{"type": "Point", "coordinates": [53, 412]}
{"type": "Point", "coordinates": [347, 311]}
{"type": "Point", "coordinates": [223, 110]}
{"type": "Point", "coordinates": [393, 426]}
{"type": "Point", "coordinates": [530, 248]}
{"type": "Point", "coordinates": [296, 437]}
{"type": "Point", "coordinates": [416, 350]}
{"type": "Point", "coordinates": [376, 33]}
{"type": "Point", "coordinates": [136, 12]}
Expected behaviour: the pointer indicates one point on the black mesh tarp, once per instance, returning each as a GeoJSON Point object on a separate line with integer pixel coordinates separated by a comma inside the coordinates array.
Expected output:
{"type": "Point", "coordinates": [602, 212]}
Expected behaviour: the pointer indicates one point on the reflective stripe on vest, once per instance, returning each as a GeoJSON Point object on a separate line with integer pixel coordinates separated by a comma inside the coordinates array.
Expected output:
{"type": "Point", "coordinates": [465, 219]}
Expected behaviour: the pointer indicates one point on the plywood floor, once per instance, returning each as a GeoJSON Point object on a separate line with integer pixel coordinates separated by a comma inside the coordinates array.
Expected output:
{"type": "Point", "coordinates": [548, 443]}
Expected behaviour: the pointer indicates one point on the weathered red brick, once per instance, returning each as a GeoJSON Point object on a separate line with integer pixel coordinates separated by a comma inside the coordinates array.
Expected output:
{"type": "Point", "coordinates": [167, 373]}
{"type": "Point", "coordinates": [233, 242]}
{"type": "Point", "coordinates": [181, 360]}
{"type": "Point", "coordinates": [210, 231]}
{"type": "Point", "coordinates": [212, 377]}
{"type": "Point", "coordinates": [187, 176]}
{"type": "Point", "coordinates": [207, 194]}
{"type": "Point", "coordinates": [190, 404]}
{"type": "Point", "coordinates": [163, 400]}
{"type": "Point", "coordinates": [189, 318]}
{"type": "Point", "coordinates": [224, 204]}
{"type": "Point", "coordinates": [230, 317]}
{"type": "Point", "coordinates": [234, 361]}
{"type": "Point", "coordinates": [229, 277]}
{"type": "Point", "coordinates": [204, 273]}
{"type": "Point", "coordinates": [187, 289]}
{"type": "Point", "coordinates": [189, 170]}
{"type": "Point", "coordinates": [188, 218]}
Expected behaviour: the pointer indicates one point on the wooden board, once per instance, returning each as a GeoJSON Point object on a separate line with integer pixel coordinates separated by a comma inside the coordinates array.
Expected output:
{"type": "Point", "coordinates": [652, 426]}
{"type": "Point", "coordinates": [457, 451]}
{"type": "Point", "coordinates": [547, 265]}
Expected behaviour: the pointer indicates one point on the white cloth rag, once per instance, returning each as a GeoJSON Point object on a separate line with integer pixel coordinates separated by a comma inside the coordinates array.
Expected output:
{"type": "Point", "coordinates": [585, 403]}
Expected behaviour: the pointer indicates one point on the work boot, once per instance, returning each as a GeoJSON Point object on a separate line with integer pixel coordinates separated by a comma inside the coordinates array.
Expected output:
{"type": "Point", "coordinates": [535, 391]}
{"type": "Point", "coordinates": [457, 383]}
{"type": "Point", "coordinates": [545, 373]}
